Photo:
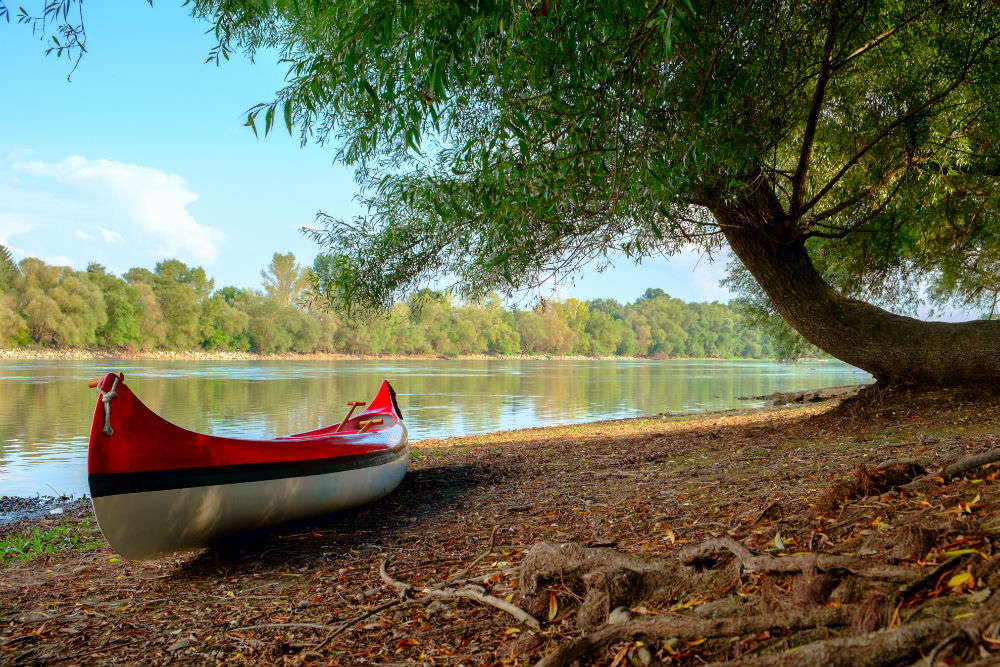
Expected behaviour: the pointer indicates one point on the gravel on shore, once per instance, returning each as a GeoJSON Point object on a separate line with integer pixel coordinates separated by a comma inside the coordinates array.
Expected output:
{"type": "Point", "coordinates": [14, 508]}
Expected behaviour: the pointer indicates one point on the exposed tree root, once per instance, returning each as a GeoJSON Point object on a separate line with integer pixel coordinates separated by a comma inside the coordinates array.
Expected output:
{"type": "Point", "coordinates": [467, 592]}
{"type": "Point", "coordinates": [689, 628]}
{"type": "Point", "coordinates": [956, 469]}
{"type": "Point", "coordinates": [608, 577]}
{"type": "Point", "coordinates": [875, 649]}
{"type": "Point", "coordinates": [707, 552]}
{"type": "Point", "coordinates": [869, 481]}
{"type": "Point", "coordinates": [613, 578]}
{"type": "Point", "coordinates": [970, 631]}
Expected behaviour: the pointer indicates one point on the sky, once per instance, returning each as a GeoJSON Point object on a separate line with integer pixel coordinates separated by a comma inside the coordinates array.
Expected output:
{"type": "Point", "coordinates": [143, 156]}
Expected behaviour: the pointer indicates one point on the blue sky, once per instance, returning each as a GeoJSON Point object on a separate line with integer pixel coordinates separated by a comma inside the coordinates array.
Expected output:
{"type": "Point", "coordinates": [144, 156]}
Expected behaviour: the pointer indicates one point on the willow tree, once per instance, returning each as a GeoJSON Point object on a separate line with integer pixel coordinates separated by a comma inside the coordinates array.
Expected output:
{"type": "Point", "coordinates": [846, 152]}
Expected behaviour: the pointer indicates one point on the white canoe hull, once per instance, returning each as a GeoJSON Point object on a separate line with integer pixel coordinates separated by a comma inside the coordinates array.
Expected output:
{"type": "Point", "coordinates": [145, 524]}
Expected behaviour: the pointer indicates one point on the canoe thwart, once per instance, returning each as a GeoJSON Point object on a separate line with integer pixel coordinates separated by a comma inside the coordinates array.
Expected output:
{"type": "Point", "coordinates": [366, 424]}
{"type": "Point", "coordinates": [357, 404]}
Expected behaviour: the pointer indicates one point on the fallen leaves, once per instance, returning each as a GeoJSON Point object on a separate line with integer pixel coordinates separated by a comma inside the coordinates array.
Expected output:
{"type": "Point", "coordinates": [682, 487]}
{"type": "Point", "coordinates": [963, 580]}
{"type": "Point", "coordinates": [553, 606]}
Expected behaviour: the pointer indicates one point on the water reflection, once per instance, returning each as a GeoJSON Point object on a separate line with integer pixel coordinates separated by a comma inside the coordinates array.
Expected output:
{"type": "Point", "coordinates": [47, 407]}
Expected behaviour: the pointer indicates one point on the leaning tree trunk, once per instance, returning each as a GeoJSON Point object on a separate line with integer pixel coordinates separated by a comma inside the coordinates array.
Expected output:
{"type": "Point", "coordinates": [891, 347]}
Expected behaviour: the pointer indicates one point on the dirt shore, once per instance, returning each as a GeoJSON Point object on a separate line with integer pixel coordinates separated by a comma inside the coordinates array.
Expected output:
{"type": "Point", "coordinates": [472, 510]}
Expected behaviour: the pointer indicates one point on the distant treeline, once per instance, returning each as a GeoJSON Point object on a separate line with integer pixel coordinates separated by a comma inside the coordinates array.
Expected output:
{"type": "Point", "coordinates": [176, 307]}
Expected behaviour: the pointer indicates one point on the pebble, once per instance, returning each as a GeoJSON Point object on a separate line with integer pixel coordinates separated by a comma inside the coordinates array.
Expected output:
{"type": "Point", "coordinates": [435, 607]}
{"type": "Point", "coordinates": [721, 607]}
{"type": "Point", "coordinates": [15, 508]}
{"type": "Point", "coordinates": [178, 645]}
{"type": "Point", "coordinates": [619, 615]}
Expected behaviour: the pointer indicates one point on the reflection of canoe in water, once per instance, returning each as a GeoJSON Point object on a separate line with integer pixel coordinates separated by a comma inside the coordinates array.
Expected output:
{"type": "Point", "coordinates": [157, 487]}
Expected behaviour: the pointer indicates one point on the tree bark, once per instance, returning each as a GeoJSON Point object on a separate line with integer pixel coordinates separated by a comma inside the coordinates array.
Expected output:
{"type": "Point", "coordinates": [893, 348]}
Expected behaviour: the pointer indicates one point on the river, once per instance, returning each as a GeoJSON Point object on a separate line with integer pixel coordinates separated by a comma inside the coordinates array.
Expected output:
{"type": "Point", "coordinates": [47, 408]}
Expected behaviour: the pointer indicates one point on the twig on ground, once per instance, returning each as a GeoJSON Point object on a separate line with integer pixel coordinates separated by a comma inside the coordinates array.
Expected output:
{"type": "Point", "coordinates": [969, 632]}
{"type": "Point", "coordinates": [259, 626]}
{"type": "Point", "coordinates": [87, 651]}
{"type": "Point", "coordinates": [360, 617]}
{"type": "Point", "coordinates": [468, 592]}
{"type": "Point", "coordinates": [464, 571]}
{"type": "Point", "coordinates": [959, 635]}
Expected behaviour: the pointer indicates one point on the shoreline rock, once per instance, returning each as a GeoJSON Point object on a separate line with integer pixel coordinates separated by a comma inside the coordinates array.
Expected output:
{"type": "Point", "coordinates": [14, 509]}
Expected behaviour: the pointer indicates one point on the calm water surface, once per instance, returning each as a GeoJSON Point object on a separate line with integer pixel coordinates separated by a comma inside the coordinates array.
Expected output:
{"type": "Point", "coordinates": [46, 407]}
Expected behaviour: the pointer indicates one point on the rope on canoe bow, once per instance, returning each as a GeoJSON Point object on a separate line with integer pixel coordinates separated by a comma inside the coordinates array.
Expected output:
{"type": "Point", "coordinates": [106, 398]}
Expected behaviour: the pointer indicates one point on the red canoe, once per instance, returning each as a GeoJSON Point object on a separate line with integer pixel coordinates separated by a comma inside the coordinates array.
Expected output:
{"type": "Point", "coordinates": [157, 487]}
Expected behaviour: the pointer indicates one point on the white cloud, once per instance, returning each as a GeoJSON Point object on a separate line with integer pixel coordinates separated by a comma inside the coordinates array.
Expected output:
{"type": "Point", "coordinates": [82, 235]}
{"type": "Point", "coordinates": [109, 235]}
{"type": "Point", "coordinates": [134, 196]}
{"type": "Point", "coordinates": [58, 260]}
{"type": "Point", "coordinates": [11, 226]}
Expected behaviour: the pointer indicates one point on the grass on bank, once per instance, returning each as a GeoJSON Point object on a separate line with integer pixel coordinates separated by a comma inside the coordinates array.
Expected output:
{"type": "Point", "coordinates": [70, 534]}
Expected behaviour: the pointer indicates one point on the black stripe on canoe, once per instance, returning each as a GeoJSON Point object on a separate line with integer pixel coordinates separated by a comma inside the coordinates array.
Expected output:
{"type": "Point", "coordinates": [110, 484]}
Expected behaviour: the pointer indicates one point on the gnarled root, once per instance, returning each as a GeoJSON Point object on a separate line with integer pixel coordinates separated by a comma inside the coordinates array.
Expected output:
{"type": "Point", "coordinates": [875, 649]}
{"type": "Point", "coordinates": [956, 468]}
{"type": "Point", "coordinates": [608, 577]}
{"type": "Point", "coordinates": [707, 553]}
{"type": "Point", "coordinates": [614, 578]}
{"type": "Point", "coordinates": [688, 628]}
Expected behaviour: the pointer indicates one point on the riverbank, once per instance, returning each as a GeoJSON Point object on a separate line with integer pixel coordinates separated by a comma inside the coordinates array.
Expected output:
{"type": "Point", "coordinates": [472, 511]}
{"type": "Point", "coordinates": [113, 354]}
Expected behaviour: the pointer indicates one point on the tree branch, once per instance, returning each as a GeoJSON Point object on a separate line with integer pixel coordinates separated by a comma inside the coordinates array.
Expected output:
{"type": "Point", "coordinates": [875, 41]}
{"type": "Point", "coordinates": [895, 124]}
{"type": "Point", "coordinates": [809, 136]}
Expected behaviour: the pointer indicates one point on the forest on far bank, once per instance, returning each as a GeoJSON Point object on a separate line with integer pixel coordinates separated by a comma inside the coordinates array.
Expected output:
{"type": "Point", "coordinates": [177, 307]}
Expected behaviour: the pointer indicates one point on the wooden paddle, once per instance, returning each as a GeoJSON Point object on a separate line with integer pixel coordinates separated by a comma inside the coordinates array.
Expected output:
{"type": "Point", "coordinates": [352, 405]}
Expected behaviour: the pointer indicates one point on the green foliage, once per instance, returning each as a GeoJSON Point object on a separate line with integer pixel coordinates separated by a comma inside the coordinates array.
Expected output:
{"type": "Point", "coordinates": [285, 280]}
{"type": "Point", "coordinates": [8, 269]}
{"type": "Point", "coordinates": [174, 308]}
{"type": "Point", "coordinates": [82, 534]}
{"type": "Point", "coordinates": [61, 307]}
{"type": "Point", "coordinates": [180, 291]}
{"type": "Point", "coordinates": [123, 306]}
{"type": "Point", "coordinates": [224, 326]}
{"type": "Point", "coordinates": [502, 142]}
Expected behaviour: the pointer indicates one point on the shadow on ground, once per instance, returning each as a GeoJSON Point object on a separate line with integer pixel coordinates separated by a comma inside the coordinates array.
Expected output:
{"type": "Point", "coordinates": [423, 495]}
